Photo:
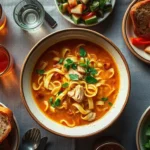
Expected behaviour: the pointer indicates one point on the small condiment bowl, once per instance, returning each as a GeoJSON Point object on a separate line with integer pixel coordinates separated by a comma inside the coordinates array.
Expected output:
{"type": "Point", "coordinates": [67, 17]}
{"type": "Point", "coordinates": [111, 145]}
{"type": "Point", "coordinates": [140, 132]}
{"type": "Point", "coordinates": [127, 31]}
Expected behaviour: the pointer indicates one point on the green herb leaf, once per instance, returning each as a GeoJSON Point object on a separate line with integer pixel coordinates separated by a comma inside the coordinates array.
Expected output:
{"type": "Point", "coordinates": [74, 77]}
{"type": "Point", "coordinates": [67, 66]}
{"type": "Point", "coordinates": [61, 61]}
{"type": "Point", "coordinates": [83, 65]}
{"type": "Point", "coordinates": [40, 71]}
{"type": "Point", "coordinates": [59, 93]}
{"type": "Point", "coordinates": [93, 71]}
{"type": "Point", "coordinates": [91, 80]}
{"type": "Point", "coordinates": [56, 103]}
{"type": "Point", "coordinates": [65, 85]}
{"type": "Point", "coordinates": [110, 104]}
{"type": "Point", "coordinates": [74, 66]}
{"type": "Point", "coordinates": [51, 100]}
{"type": "Point", "coordinates": [69, 61]}
{"type": "Point", "coordinates": [104, 99]}
{"type": "Point", "coordinates": [87, 62]}
{"type": "Point", "coordinates": [82, 52]}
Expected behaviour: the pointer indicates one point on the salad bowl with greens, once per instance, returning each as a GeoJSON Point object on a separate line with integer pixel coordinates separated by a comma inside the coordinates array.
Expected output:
{"type": "Point", "coordinates": [85, 12]}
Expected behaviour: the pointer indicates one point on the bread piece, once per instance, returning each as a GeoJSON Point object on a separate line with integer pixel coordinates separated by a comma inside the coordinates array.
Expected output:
{"type": "Point", "coordinates": [5, 122]}
{"type": "Point", "coordinates": [140, 15]}
{"type": "Point", "coordinates": [147, 49]}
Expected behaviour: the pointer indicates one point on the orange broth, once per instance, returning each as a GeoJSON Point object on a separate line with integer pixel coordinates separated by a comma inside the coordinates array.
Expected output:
{"type": "Point", "coordinates": [40, 95]}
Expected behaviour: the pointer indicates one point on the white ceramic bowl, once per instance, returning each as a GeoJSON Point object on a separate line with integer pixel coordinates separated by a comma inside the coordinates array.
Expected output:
{"type": "Point", "coordinates": [94, 127]}
{"type": "Point", "coordinates": [82, 24]}
{"type": "Point", "coordinates": [127, 30]}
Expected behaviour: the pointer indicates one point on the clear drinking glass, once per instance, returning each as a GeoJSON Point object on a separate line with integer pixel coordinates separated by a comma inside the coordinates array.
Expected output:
{"type": "Point", "coordinates": [29, 16]}
{"type": "Point", "coordinates": [6, 61]}
{"type": "Point", "coordinates": [2, 18]}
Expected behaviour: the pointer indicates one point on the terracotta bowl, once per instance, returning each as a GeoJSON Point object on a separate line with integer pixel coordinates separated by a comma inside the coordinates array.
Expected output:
{"type": "Point", "coordinates": [127, 31]}
{"type": "Point", "coordinates": [140, 132]}
{"type": "Point", "coordinates": [82, 24]}
{"type": "Point", "coordinates": [13, 139]}
{"type": "Point", "coordinates": [79, 131]}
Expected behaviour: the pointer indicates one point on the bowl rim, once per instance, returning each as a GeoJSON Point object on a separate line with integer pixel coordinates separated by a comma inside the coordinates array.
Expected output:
{"type": "Point", "coordinates": [17, 127]}
{"type": "Point", "coordinates": [124, 33]}
{"type": "Point", "coordinates": [82, 25]}
{"type": "Point", "coordinates": [45, 38]}
{"type": "Point", "coordinates": [139, 127]}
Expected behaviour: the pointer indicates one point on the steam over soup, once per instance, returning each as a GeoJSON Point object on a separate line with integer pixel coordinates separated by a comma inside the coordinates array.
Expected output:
{"type": "Point", "coordinates": [75, 82]}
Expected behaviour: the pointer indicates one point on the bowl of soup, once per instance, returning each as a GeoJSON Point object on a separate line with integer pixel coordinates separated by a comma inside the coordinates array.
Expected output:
{"type": "Point", "coordinates": [75, 82]}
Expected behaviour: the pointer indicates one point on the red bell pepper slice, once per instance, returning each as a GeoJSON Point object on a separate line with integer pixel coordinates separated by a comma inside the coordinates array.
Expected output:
{"type": "Point", "coordinates": [88, 15]}
{"type": "Point", "coordinates": [140, 41]}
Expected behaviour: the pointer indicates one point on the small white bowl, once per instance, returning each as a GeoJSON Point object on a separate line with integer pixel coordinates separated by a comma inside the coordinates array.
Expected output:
{"type": "Point", "coordinates": [96, 126]}
{"type": "Point", "coordinates": [127, 31]}
{"type": "Point", "coordinates": [82, 24]}
{"type": "Point", "coordinates": [14, 136]}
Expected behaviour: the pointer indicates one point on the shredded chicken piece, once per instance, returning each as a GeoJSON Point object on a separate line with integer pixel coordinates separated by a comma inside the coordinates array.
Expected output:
{"type": "Point", "coordinates": [80, 69]}
{"type": "Point", "coordinates": [71, 71]}
{"type": "Point", "coordinates": [77, 93]}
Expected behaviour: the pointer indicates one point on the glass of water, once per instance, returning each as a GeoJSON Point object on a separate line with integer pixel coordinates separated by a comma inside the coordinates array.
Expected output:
{"type": "Point", "coordinates": [29, 15]}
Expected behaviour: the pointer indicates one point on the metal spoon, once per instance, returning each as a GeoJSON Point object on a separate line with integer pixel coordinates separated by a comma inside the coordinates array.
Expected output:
{"type": "Point", "coordinates": [31, 139]}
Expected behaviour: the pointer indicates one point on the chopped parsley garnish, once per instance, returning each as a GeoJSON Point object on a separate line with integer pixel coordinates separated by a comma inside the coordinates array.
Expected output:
{"type": "Point", "coordinates": [104, 99]}
{"type": "Point", "coordinates": [91, 80]}
{"type": "Point", "coordinates": [92, 71]}
{"type": "Point", "coordinates": [74, 77]}
{"type": "Point", "coordinates": [110, 104]}
{"type": "Point", "coordinates": [70, 64]}
{"type": "Point", "coordinates": [51, 100]}
{"type": "Point", "coordinates": [83, 65]}
{"type": "Point", "coordinates": [59, 92]}
{"type": "Point", "coordinates": [82, 52]}
{"type": "Point", "coordinates": [74, 66]}
{"type": "Point", "coordinates": [41, 72]}
{"type": "Point", "coordinates": [56, 103]}
{"type": "Point", "coordinates": [61, 60]}
{"type": "Point", "coordinates": [65, 85]}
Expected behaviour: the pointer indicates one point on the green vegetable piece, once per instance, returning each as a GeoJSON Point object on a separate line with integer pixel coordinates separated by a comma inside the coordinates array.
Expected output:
{"type": "Point", "coordinates": [75, 19]}
{"type": "Point", "coordinates": [91, 20]}
{"type": "Point", "coordinates": [56, 103]}
{"type": "Point", "coordinates": [51, 100]}
{"type": "Point", "coordinates": [110, 104]}
{"type": "Point", "coordinates": [91, 80]}
{"type": "Point", "coordinates": [61, 61]}
{"type": "Point", "coordinates": [104, 99]}
{"type": "Point", "coordinates": [82, 52]}
{"type": "Point", "coordinates": [65, 85]}
{"type": "Point", "coordinates": [74, 66]}
{"type": "Point", "coordinates": [83, 65]}
{"type": "Point", "coordinates": [74, 77]}
{"type": "Point", "coordinates": [41, 72]}
{"type": "Point", "coordinates": [94, 6]}
{"type": "Point", "coordinates": [147, 131]}
{"type": "Point", "coordinates": [69, 61]}
{"type": "Point", "coordinates": [67, 66]}
{"type": "Point", "coordinates": [147, 145]}
{"type": "Point", "coordinates": [93, 71]}
{"type": "Point", "coordinates": [59, 93]}
{"type": "Point", "coordinates": [102, 4]}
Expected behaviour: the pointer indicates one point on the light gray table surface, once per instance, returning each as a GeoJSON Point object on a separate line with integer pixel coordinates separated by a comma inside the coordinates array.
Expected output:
{"type": "Point", "coordinates": [19, 44]}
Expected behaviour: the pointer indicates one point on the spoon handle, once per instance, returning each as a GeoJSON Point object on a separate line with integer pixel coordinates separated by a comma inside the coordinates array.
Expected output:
{"type": "Point", "coordinates": [50, 20]}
